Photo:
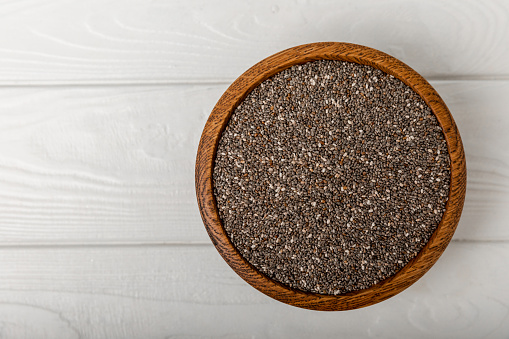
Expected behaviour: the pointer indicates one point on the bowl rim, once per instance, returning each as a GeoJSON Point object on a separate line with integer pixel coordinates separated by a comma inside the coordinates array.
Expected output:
{"type": "Point", "coordinates": [218, 120]}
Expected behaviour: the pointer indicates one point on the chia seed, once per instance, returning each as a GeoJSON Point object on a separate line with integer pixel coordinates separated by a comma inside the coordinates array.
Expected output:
{"type": "Point", "coordinates": [331, 176]}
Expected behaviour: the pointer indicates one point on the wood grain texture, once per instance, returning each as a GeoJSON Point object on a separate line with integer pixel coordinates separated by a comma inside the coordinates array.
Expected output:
{"type": "Point", "coordinates": [137, 41]}
{"type": "Point", "coordinates": [218, 120]}
{"type": "Point", "coordinates": [189, 292]}
{"type": "Point", "coordinates": [109, 165]}
{"type": "Point", "coordinates": [86, 166]}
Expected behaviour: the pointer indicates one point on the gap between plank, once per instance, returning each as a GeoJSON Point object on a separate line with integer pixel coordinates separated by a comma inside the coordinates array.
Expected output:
{"type": "Point", "coordinates": [163, 244]}
{"type": "Point", "coordinates": [176, 82]}
{"type": "Point", "coordinates": [105, 244]}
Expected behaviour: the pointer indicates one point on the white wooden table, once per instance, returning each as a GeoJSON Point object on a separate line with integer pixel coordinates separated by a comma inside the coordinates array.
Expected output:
{"type": "Point", "coordinates": [102, 104]}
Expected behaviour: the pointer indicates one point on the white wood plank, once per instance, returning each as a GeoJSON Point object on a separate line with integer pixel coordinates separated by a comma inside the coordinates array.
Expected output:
{"type": "Point", "coordinates": [481, 111]}
{"type": "Point", "coordinates": [116, 164]}
{"type": "Point", "coordinates": [100, 164]}
{"type": "Point", "coordinates": [189, 292]}
{"type": "Point", "coordinates": [130, 41]}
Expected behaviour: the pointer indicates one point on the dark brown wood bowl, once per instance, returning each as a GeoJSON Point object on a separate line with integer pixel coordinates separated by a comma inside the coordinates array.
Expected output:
{"type": "Point", "coordinates": [218, 120]}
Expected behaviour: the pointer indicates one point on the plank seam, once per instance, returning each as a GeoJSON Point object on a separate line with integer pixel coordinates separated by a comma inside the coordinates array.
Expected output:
{"type": "Point", "coordinates": [168, 244]}
{"type": "Point", "coordinates": [177, 82]}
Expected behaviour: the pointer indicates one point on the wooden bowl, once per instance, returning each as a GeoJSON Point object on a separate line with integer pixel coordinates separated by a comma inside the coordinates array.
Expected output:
{"type": "Point", "coordinates": [218, 120]}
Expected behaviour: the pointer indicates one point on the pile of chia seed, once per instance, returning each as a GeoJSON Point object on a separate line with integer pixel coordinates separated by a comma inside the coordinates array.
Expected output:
{"type": "Point", "coordinates": [331, 176]}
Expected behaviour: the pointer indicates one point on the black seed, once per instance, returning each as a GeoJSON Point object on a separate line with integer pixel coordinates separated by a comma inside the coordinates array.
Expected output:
{"type": "Point", "coordinates": [331, 176]}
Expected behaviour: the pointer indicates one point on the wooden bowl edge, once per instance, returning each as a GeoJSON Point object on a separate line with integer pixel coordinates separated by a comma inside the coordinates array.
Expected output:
{"type": "Point", "coordinates": [218, 119]}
